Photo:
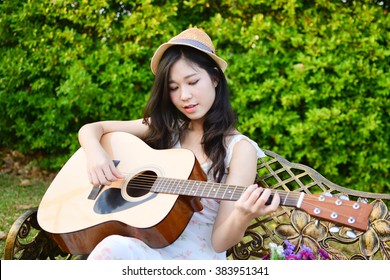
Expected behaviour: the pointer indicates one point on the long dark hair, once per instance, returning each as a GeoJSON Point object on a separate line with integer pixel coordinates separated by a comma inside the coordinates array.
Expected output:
{"type": "Point", "coordinates": [166, 123]}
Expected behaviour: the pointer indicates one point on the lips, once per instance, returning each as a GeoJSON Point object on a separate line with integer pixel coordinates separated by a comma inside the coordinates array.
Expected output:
{"type": "Point", "coordinates": [190, 108]}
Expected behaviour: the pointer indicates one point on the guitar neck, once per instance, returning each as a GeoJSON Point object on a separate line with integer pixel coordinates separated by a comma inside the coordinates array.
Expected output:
{"type": "Point", "coordinates": [217, 190]}
{"type": "Point", "coordinates": [349, 213]}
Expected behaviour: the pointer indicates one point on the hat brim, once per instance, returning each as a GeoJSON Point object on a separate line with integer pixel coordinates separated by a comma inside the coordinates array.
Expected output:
{"type": "Point", "coordinates": [161, 50]}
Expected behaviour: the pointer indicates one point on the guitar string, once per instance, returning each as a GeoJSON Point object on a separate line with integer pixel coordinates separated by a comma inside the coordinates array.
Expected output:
{"type": "Point", "coordinates": [143, 182]}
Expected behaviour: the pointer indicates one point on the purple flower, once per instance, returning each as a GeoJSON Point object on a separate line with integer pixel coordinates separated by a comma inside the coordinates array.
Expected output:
{"type": "Point", "coordinates": [291, 257]}
{"type": "Point", "coordinates": [306, 254]}
{"type": "Point", "coordinates": [289, 250]}
{"type": "Point", "coordinates": [323, 254]}
{"type": "Point", "coordinates": [277, 252]}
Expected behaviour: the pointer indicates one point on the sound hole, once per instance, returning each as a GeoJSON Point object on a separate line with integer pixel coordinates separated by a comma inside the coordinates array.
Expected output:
{"type": "Point", "coordinates": [141, 184]}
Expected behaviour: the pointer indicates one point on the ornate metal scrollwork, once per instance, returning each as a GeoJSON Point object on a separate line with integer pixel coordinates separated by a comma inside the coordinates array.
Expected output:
{"type": "Point", "coordinates": [27, 241]}
{"type": "Point", "coordinates": [252, 246]}
{"type": "Point", "coordinates": [301, 229]}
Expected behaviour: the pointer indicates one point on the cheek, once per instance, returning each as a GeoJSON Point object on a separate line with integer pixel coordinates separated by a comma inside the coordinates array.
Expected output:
{"type": "Point", "coordinates": [174, 99]}
{"type": "Point", "coordinates": [211, 94]}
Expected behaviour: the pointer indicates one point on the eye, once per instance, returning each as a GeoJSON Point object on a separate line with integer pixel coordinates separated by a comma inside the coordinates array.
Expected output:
{"type": "Point", "coordinates": [194, 82]}
{"type": "Point", "coordinates": [171, 89]}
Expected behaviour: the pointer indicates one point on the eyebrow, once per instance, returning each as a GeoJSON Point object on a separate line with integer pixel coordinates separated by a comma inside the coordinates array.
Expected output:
{"type": "Point", "coordinates": [185, 78]}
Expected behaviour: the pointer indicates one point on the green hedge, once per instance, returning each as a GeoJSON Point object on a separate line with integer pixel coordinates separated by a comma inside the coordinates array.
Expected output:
{"type": "Point", "coordinates": [309, 79]}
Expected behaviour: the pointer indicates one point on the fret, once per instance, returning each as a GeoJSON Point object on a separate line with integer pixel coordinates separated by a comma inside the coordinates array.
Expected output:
{"type": "Point", "coordinates": [221, 190]}
{"type": "Point", "coordinates": [285, 199]}
{"type": "Point", "coordinates": [157, 186]}
{"type": "Point", "coordinates": [212, 190]}
{"type": "Point", "coordinates": [200, 188]}
{"type": "Point", "coordinates": [224, 193]}
{"type": "Point", "coordinates": [206, 189]}
{"type": "Point", "coordinates": [186, 190]}
{"type": "Point", "coordinates": [187, 187]}
{"type": "Point", "coordinates": [239, 191]}
{"type": "Point", "coordinates": [203, 187]}
{"type": "Point", "coordinates": [176, 186]}
{"type": "Point", "coordinates": [180, 189]}
{"type": "Point", "coordinates": [167, 188]}
{"type": "Point", "coordinates": [193, 187]}
{"type": "Point", "coordinates": [233, 192]}
{"type": "Point", "coordinates": [215, 190]}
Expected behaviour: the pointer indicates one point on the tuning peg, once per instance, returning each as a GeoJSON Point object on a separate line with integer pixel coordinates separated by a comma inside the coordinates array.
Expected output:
{"type": "Point", "coordinates": [334, 229]}
{"type": "Point", "coordinates": [351, 234]}
{"type": "Point", "coordinates": [327, 194]}
{"type": "Point", "coordinates": [363, 200]}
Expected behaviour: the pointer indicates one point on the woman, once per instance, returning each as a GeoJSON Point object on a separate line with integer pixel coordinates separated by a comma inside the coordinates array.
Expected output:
{"type": "Point", "coordinates": [189, 108]}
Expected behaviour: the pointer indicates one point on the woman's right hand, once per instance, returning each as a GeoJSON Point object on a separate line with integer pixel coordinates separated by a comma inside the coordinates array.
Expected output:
{"type": "Point", "coordinates": [101, 169]}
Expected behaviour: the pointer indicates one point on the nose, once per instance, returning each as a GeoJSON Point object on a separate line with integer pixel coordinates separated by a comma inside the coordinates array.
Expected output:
{"type": "Point", "coordinates": [185, 93]}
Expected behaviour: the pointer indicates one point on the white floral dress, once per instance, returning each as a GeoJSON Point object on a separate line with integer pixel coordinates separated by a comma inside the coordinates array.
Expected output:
{"type": "Point", "coordinates": [195, 241]}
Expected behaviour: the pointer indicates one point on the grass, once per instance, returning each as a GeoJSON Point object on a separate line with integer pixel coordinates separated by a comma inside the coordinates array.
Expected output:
{"type": "Point", "coordinates": [16, 199]}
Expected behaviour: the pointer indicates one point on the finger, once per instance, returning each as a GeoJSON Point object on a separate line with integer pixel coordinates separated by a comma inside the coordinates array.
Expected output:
{"type": "Point", "coordinates": [272, 206]}
{"type": "Point", "coordinates": [248, 192]}
{"type": "Point", "coordinates": [90, 179]}
{"type": "Point", "coordinates": [263, 198]}
{"type": "Point", "coordinates": [108, 174]}
{"type": "Point", "coordinates": [115, 172]}
{"type": "Point", "coordinates": [94, 179]}
{"type": "Point", "coordinates": [275, 201]}
{"type": "Point", "coordinates": [102, 178]}
{"type": "Point", "coordinates": [255, 196]}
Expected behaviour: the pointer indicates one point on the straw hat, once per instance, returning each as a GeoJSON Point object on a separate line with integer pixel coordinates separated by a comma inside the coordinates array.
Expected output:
{"type": "Point", "coordinates": [192, 37]}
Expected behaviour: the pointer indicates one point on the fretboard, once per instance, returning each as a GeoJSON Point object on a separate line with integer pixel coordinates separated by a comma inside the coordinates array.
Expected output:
{"type": "Point", "coordinates": [215, 190]}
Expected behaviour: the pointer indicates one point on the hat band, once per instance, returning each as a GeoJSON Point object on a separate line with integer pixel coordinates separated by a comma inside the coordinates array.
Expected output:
{"type": "Point", "coordinates": [194, 43]}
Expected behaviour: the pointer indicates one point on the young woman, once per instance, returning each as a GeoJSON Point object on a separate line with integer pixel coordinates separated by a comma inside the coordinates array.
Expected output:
{"type": "Point", "coordinates": [189, 108]}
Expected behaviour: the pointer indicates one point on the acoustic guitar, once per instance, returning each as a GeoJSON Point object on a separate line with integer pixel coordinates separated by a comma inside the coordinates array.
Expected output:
{"type": "Point", "coordinates": [156, 199]}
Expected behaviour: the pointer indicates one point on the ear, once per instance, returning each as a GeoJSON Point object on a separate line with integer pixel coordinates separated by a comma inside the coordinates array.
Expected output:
{"type": "Point", "coordinates": [215, 82]}
{"type": "Point", "coordinates": [215, 78]}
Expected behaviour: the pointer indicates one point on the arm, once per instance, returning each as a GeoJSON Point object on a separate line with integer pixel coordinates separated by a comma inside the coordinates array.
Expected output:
{"type": "Point", "coordinates": [101, 169]}
{"type": "Point", "coordinates": [234, 217]}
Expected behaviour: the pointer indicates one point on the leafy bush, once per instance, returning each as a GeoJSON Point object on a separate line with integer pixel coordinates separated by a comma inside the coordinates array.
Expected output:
{"type": "Point", "coordinates": [309, 79]}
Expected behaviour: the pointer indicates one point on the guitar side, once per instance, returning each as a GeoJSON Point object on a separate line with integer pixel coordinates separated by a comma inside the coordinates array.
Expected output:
{"type": "Point", "coordinates": [71, 218]}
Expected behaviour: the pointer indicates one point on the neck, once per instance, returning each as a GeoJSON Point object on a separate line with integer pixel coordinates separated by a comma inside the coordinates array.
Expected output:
{"type": "Point", "coordinates": [196, 126]}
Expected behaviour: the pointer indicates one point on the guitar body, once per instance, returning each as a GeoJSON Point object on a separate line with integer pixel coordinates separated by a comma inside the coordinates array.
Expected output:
{"type": "Point", "coordinates": [78, 223]}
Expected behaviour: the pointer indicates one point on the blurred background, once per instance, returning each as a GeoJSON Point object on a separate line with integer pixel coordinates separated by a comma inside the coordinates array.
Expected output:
{"type": "Point", "coordinates": [309, 80]}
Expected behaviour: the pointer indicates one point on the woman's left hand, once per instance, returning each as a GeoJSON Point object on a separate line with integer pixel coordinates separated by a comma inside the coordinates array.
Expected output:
{"type": "Point", "coordinates": [252, 202]}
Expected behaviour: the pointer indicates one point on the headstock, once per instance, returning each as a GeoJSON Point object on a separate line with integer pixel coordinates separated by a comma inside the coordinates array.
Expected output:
{"type": "Point", "coordinates": [353, 214]}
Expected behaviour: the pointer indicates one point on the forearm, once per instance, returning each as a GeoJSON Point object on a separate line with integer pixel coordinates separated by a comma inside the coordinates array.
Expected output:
{"type": "Point", "coordinates": [235, 217]}
{"type": "Point", "coordinates": [230, 232]}
{"type": "Point", "coordinates": [89, 136]}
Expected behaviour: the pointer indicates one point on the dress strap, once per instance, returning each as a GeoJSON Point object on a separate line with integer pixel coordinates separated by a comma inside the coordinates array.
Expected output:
{"type": "Point", "coordinates": [235, 139]}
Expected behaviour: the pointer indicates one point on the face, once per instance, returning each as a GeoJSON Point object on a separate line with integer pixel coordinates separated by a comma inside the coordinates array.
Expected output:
{"type": "Point", "coordinates": [191, 89]}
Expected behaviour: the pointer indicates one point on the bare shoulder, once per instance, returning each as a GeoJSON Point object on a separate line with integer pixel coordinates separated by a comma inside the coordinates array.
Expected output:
{"type": "Point", "coordinates": [243, 164]}
{"type": "Point", "coordinates": [242, 146]}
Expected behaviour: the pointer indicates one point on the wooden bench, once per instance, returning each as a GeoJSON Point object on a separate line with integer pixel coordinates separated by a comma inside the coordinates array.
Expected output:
{"type": "Point", "coordinates": [26, 240]}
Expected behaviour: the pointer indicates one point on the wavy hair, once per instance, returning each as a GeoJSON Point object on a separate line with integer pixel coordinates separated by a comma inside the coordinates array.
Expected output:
{"type": "Point", "coordinates": [166, 123]}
